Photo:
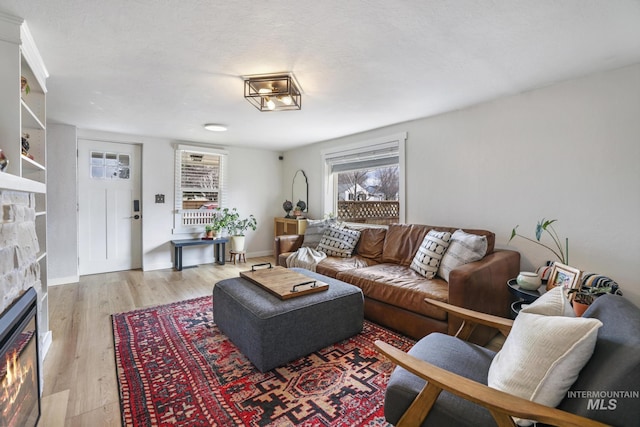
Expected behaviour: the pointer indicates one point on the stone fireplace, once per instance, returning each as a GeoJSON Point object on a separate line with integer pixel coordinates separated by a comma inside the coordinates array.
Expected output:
{"type": "Point", "coordinates": [22, 301]}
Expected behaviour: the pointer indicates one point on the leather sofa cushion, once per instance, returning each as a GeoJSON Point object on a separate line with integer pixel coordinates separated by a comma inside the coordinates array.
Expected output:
{"type": "Point", "coordinates": [371, 243]}
{"type": "Point", "coordinates": [400, 286]}
{"type": "Point", "coordinates": [331, 266]}
{"type": "Point", "coordinates": [403, 240]}
{"type": "Point", "coordinates": [402, 243]}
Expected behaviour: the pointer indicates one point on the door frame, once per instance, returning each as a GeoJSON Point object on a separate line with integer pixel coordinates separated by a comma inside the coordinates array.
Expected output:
{"type": "Point", "coordinates": [114, 140]}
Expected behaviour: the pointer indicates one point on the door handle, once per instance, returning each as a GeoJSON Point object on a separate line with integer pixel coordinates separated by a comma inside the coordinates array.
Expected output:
{"type": "Point", "coordinates": [135, 216]}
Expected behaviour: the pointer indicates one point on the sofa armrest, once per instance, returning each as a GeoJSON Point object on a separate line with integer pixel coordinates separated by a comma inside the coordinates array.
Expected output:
{"type": "Point", "coordinates": [482, 285]}
{"type": "Point", "coordinates": [287, 243]}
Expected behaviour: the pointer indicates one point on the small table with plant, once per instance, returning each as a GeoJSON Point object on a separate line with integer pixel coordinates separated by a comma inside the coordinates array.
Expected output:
{"type": "Point", "coordinates": [219, 248]}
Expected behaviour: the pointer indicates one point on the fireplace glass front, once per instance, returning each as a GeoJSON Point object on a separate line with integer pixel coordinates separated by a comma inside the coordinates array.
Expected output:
{"type": "Point", "coordinates": [19, 376]}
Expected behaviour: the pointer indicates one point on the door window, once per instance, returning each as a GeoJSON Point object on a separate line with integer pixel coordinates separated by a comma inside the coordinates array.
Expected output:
{"type": "Point", "coordinates": [110, 165]}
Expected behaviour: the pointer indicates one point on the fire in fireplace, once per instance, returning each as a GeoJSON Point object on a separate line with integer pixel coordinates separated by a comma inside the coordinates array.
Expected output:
{"type": "Point", "coordinates": [19, 374]}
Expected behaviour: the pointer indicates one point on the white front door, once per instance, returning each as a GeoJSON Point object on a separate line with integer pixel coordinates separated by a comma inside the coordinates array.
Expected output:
{"type": "Point", "coordinates": [110, 209]}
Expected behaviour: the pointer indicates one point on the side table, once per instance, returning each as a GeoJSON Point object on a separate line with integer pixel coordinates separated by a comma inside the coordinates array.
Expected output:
{"type": "Point", "coordinates": [523, 296]}
{"type": "Point", "coordinates": [218, 249]}
{"type": "Point", "coordinates": [237, 254]}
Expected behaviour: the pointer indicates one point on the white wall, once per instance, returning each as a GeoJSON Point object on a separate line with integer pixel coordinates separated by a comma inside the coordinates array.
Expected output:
{"type": "Point", "coordinates": [253, 184]}
{"type": "Point", "coordinates": [570, 152]}
{"type": "Point", "coordinates": [62, 213]}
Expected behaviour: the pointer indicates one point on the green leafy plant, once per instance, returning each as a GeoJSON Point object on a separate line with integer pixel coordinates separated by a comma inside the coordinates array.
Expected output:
{"type": "Point", "coordinates": [222, 219]}
{"type": "Point", "coordinates": [238, 226]}
{"type": "Point", "coordinates": [546, 225]}
{"type": "Point", "coordinates": [588, 294]}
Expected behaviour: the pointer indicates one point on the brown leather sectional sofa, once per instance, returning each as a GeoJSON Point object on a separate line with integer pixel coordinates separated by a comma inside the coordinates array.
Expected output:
{"type": "Point", "coordinates": [394, 293]}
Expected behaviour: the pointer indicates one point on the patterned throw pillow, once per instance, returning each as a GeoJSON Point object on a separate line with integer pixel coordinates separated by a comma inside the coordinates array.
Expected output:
{"type": "Point", "coordinates": [430, 252]}
{"type": "Point", "coordinates": [314, 232]}
{"type": "Point", "coordinates": [463, 249]}
{"type": "Point", "coordinates": [338, 241]}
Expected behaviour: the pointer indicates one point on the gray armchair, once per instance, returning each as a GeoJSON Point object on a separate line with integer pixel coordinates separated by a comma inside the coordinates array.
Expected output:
{"type": "Point", "coordinates": [442, 380]}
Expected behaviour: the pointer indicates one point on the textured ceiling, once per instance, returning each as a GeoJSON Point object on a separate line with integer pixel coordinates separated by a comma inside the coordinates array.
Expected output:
{"type": "Point", "coordinates": [166, 67]}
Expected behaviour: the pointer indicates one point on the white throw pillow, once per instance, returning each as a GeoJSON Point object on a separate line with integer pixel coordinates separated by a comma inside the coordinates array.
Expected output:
{"type": "Point", "coordinates": [314, 232]}
{"type": "Point", "coordinates": [338, 241]}
{"type": "Point", "coordinates": [463, 249]}
{"type": "Point", "coordinates": [542, 356]}
{"type": "Point", "coordinates": [551, 303]}
{"type": "Point", "coordinates": [427, 258]}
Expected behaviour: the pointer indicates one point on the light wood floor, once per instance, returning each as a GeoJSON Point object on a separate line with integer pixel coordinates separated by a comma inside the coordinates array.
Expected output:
{"type": "Point", "coordinates": [79, 370]}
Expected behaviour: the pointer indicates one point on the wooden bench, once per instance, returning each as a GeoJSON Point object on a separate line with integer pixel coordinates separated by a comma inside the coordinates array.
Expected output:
{"type": "Point", "coordinates": [219, 246]}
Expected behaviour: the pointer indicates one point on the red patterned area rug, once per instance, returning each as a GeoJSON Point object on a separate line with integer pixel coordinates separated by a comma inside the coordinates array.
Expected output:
{"type": "Point", "coordinates": [175, 368]}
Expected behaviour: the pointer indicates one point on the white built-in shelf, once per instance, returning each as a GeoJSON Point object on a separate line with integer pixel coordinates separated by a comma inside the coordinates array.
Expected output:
{"type": "Point", "coordinates": [13, 182]}
{"type": "Point", "coordinates": [29, 118]}
{"type": "Point", "coordinates": [31, 165]}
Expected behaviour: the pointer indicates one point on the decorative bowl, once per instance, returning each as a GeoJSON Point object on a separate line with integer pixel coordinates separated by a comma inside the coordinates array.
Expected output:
{"type": "Point", "coordinates": [528, 280]}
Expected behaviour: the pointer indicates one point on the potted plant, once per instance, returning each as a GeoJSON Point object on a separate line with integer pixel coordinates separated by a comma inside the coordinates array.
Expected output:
{"type": "Point", "coordinates": [586, 295]}
{"type": "Point", "coordinates": [221, 219]}
{"type": "Point", "coordinates": [238, 227]}
{"type": "Point", "coordinates": [210, 232]}
{"type": "Point", "coordinates": [546, 225]}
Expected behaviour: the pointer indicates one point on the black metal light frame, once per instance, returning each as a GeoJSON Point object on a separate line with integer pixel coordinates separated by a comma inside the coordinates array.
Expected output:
{"type": "Point", "coordinates": [259, 90]}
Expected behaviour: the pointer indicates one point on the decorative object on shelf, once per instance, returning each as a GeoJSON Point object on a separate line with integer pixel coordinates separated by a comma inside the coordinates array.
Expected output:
{"type": "Point", "coordinates": [4, 162]}
{"type": "Point", "coordinates": [273, 92]}
{"type": "Point", "coordinates": [300, 207]}
{"type": "Point", "coordinates": [545, 270]}
{"type": "Point", "coordinates": [528, 280]}
{"type": "Point", "coordinates": [546, 225]}
{"type": "Point", "coordinates": [210, 232]}
{"type": "Point", "coordinates": [565, 276]}
{"type": "Point", "coordinates": [288, 207]}
{"type": "Point", "coordinates": [24, 85]}
{"type": "Point", "coordinates": [25, 144]}
{"type": "Point", "coordinates": [591, 287]}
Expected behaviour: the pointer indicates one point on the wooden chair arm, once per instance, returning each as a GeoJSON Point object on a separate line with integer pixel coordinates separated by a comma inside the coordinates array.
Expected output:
{"type": "Point", "coordinates": [470, 319]}
{"type": "Point", "coordinates": [501, 405]}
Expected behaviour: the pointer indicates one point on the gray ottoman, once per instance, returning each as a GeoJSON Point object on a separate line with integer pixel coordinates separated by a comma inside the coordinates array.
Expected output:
{"type": "Point", "coordinates": [272, 332]}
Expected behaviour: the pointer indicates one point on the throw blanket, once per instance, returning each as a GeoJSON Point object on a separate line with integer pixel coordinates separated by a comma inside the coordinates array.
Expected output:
{"type": "Point", "coordinates": [306, 258]}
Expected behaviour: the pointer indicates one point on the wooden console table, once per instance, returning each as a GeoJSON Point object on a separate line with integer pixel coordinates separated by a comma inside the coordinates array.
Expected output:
{"type": "Point", "coordinates": [218, 249]}
{"type": "Point", "coordinates": [282, 226]}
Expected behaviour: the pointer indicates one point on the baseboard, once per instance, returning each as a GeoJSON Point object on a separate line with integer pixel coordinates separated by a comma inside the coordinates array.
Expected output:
{"type": "Point", "coordinates": [158, 266]}
{"type": "Point", "coordinates": [259, 254]}
{"type": "Point", "coordinates": [63, 280]}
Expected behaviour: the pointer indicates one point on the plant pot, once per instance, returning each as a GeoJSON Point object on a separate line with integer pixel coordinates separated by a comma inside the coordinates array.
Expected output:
{"type": "Point", "coordinates": [237, 243]}
{"type": "Point", "coordinates": [579, 308]}
{"type": "Point", "coordinates": [210, 234]}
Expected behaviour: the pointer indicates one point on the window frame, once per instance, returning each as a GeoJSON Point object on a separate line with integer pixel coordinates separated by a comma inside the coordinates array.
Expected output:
{"type": "Point", "coordinates": [332, 155]}
{"type": "Point", "coordinates": [194, 220]}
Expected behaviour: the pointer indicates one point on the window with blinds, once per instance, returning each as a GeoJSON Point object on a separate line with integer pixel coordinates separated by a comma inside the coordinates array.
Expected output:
{"type": "Point", "coordinates": [199, 185]}
{"type": "Point", "coordinates": [199, 179]}
{"type": "Point", "coordinates": [364, 182]}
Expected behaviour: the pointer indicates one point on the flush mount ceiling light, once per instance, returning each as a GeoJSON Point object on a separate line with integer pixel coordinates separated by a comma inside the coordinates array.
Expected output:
{"type": "Point", "coordinates": [273, 92]}
{"type": "Point", "coordinates": [214, 127]}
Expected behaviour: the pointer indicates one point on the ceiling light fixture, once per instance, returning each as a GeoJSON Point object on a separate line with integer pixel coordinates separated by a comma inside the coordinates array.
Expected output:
{"type": "Point", "coordinates": [273, 92]}
{"type": "Point", "coordinates": [213, 127]}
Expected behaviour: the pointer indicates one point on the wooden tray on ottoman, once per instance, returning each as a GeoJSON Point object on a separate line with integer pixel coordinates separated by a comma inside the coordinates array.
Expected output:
{"type": "Point", "coordinates": [282, 282]}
